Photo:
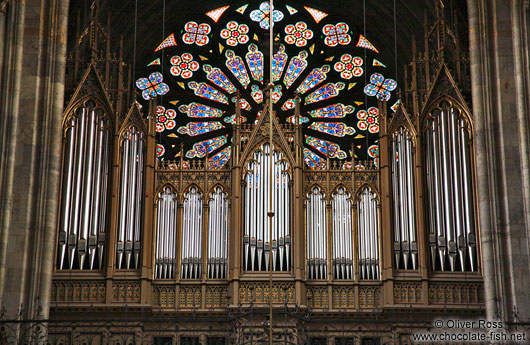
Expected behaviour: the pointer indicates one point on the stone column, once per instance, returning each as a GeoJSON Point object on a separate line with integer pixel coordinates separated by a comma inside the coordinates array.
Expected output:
{"type": "Point", "coordinates": [31, 107]}
{"type": "Point", "coordinates": [500, 80]}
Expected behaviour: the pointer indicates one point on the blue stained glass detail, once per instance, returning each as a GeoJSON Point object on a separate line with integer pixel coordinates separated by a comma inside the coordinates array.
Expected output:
{"type": "Point", "coordinates": [237, 67]}
{"type": "Point", "coordinates": [297, 65]}
{"type": "Point", "coordinates": [278, 63]}
{"type": "Point", "coordinates": [325, 147]}
{"type": "Point", "coordinates": [327, 91]}
{"type": "Point", "coordinates": [334, 111]}
{"type": "Point", "coordinates": [255, 62]}
{"type": "Point", "coordinates": [198, 128]}
{"type": "Point", "coordinates": [337, 129]}
{"type": "Point", "coordinates": [216, 76]}
{"type": "Point", "coordinates": [197, 110]}
{"type": "Point", "coordinates": [380, 87]}
{"type": "Point", "coordinates": [317, 76]}
{"type": "Point", "coordinates": [277, 93]}
{"type": "Point", "coordinates": [220, 159]}
{"type": "Point", "coordinates": [262, 15]}
{"type": "Point", "coordinates": [313, 161]}
{"type": "Point", "coordinates": [152, 86]}
{"type": "Point", "coordinates": [206, 91]}
{"type": "Point", "coordinates": [199, 149]}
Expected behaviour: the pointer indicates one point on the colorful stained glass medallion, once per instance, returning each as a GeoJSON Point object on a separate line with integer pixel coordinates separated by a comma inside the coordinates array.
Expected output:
{"type": "Point", "coordinates": [243, 104]}
{"type": "Point", "coordinates": [380, 87]}
{"type": "Point", "coordinates": [232, 119]}
{"type": "Point", "coordinates": [298, 34]}
{"type": "Point", "coordinates": [198, 128]}
{"type": "Point", "coordinates": [336, 34]}
{"type": "Point", "coordinates": [206, 91]}
{"type": "Point", "coordinates": [289, 104]}
{"type": "Point", "coordinates": [368, 120]}
{"type": "Point", "coordinates": [235, 33]}
{"type": "Point", "coordinates": [200, 149]}
{"type": "Point", "coordinates": [152, 86]}
{"type": "Point", "coordinates": [301, 120]}
{"type": "Point", "coordinates": [337, 129]}
{"type": "Point", "coordinates": [325, 147]}
{"type": "Point", "coordinates": [327, 91]}
{"type": "Point", "coordinates": [220, 159]}
{"type": "Point", "coordinates": [196, 33]}
{"type": "Point", "coordinates": [160, 150]}
{"type": "Point", "coordinates": [297, 65]}
{"type": "Point", "coordinates": [183, 65]}
{"type": "Point", "coordinates": [216, 76]}
{"type": "Point", "coordinates": [349, 66]}
{"type": "Point", "coordinates": [313, 161]}
{"type": "Point", "coordinates": [237, 67]}
{"type": "Point", "coordinates": [277, 93]}
{"type": "Point", "coordinates": [317, 76]}
{"type": "Point", "coordinates": [256, 94]}
{"type": "Point", "coordinates": [255, 62]}
{"type": "Point", "coordinates": [165, 119]}
{"type": "Point", "coordinates": [373, 151]}
{"type": "Point", "coordinates": [278, 63]}
{"type": "Point", "coordinates": [197, 110]}
{"type": "Point", "coordinates": [262, 14]}
{"type": "Point", "coordinates": [334, 111]}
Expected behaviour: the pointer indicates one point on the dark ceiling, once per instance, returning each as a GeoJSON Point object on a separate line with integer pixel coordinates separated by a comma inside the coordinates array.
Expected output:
{"type": "Point", "coordinates": [151, 29]}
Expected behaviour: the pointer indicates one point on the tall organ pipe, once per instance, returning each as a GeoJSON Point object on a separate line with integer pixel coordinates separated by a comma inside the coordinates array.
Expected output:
{"type": "Point", "coordinates": [368, 225]}
{"type": "Point", "coordinates": [217, 235]}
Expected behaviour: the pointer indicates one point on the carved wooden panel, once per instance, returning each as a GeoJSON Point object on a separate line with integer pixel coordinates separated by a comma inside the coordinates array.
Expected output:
{"type": "Point", "coordinates": [164, 296]}
{"type": "Point", "coordinates": [317, 297]}
{"type": "Point", "coordinates": [409, 293]}
{"type": "Point", "coordinates": [456, 293]}
{"type": "Point", "coordinates": [190, 297]}
{"type": "Point", "coordinates": [78, 291]}
{"type": "Point", "coordinates": [126, 291]}
{"type": "Point", "coordinates": [369, 297]}
{"type": "Point", "coordinates": [216, 296]}
{"type": "Point", "coordinates": [343, 297]}
{"type": "Point", "coordinates": [259, 292]}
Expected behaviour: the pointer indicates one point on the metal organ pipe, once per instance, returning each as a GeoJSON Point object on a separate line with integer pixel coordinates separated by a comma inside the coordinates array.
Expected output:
{"type": "Point", "coordinates": [257, 244]}
{"type": "Point", "coordinates": [166, 236]}
{"type": "Point", "coordinates": [316, 235]}
{"type": "Point", "coordinates": [448, 184]}
{"type": "Point", "coordinates": [368, 235]}
{"type": "Point", "coordinates": [217, 241]}
{"type": "Point", "coordinates": [85, 174]}
{"type": "Point", "coordinates": [405, 245]}
{"type": "Point", "coordinates": [192, 235]}
{"type": "Point", "coordinates": [342, 232]}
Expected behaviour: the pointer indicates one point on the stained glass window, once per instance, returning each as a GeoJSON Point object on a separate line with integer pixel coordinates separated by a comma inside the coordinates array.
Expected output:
{"type": "Point", "coordinates": [211, 61]}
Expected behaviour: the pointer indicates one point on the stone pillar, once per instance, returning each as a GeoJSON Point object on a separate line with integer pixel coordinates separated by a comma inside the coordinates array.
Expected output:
{"type": "Point", "coordinates": [31, 108]}
{"type": "Point", "coordinates": [500, 84]}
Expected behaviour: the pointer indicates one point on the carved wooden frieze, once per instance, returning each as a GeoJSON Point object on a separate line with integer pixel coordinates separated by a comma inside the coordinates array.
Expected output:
{"type": "Point", "coordinates": [78, 292]}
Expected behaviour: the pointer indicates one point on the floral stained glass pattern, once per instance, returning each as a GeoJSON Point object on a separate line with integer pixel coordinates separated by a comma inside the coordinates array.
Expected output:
{"type": "Point", "coordinates": [334, 111]}
{"type": "Point", "coordinates": [313, 161]}
{"type": "Point", "coordinates": [255, 62]}
{"type": "Point", "coordinates": [262, 14]}
{"type": "Point", "coordinates": [197, 110]}
{"type": "Point", "coordinates": [198, 128]}
{"type": "Point", "coordinates": [165, 119]}
{"type": "Point", "coordinates": [160, 150]}
{"type": "Point", "coordinates": [200, 149]}
{"type": "Point", "coordinates": [325, 92]}
{"type": "Point", "coordinates": [373, 151]}
{"type": "Point", "coordinates": [337, 129]}
{"type": "Point", "coordinates": [289, 104]}
{"type": "Point", "coordinates": [336, 34]}
{"type": "Point", "coordinates": [196, 33]}
{"type": "Point", "coordinates": [235, 33]}
{"type": "Point", "coordinates": [278, 63]}
{"type": "Point", "coordinates": [368, 120]}
{"type": "Point", "coordinates": [243, 104]}
{"type": "Point", "coordinates": [277, 93]}
{"type": "Point", "coordinates": [380, 87]}
{"type": "Point", "coordinates": [237, 67]}
{"type": "Point", "coordinates": [349, 66]}
{"type": "Point", "coordinates": [301, 120]}
{"type": "Point", "coordinates": [183, 65]}
{"type": "Point", "coordinates": [298, 34]}
{"type": "Point", "coordinates": [317, 76]}
{"type": "Point", "coordinates": [206, 91]}
{"type": "Point", "coordinates": [297, 65]}
{"type": "Point", "coordinates": [152, 86]}
{"type": "Point", "coordinates": [220, 159]}
{"type": "Point", "coordinates": [256, 94]}
{"type": "Point", "coordinates": [325, 147]}
{"type": "Point", "coordinates": [216, 76]}
{"type": "Point", "coordinates": [232, 119]}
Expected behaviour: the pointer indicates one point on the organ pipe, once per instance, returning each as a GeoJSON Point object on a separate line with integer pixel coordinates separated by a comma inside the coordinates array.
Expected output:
{"type": "Point", "coordinates": [258, 247]}
{"type": "Point", "coordinates": [129, 230]}
{"type": "Point", "coordinates": [405, 245]}
{"type": "Point", "coordinates": [192, 235]}
{"type": "Point", "coordinates": [342, 235]}
{"type": "Point", "coordinates": [448, 170]}
{"type": "Point", "coordinates": [316, 235]}
{"type": "Point", "coordinates": [368, 235]}
{"type": "Point", "coordinates": [84, 195]}
{"type": "Point", "coordinates": [166, 235]}
{"type": "Point", "coordinates": [218, 235]}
